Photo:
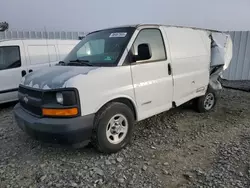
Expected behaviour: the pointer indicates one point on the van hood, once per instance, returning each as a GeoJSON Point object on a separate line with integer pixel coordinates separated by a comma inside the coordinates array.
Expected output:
{"type": "Point", "coordinates": [54, 77]}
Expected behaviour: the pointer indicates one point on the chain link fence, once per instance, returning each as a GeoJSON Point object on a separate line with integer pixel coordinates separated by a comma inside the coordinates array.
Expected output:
{"type": "Point", "coordinates": [63, 35]}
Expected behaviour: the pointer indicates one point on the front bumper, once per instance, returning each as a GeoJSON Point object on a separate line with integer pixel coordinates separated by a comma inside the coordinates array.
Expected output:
{"type": "Point", "coordinates": [57, 130]}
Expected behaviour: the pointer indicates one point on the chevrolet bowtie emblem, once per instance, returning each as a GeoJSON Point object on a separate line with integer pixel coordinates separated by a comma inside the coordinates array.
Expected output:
{"type": "Point", "coordinates": [25, 99]}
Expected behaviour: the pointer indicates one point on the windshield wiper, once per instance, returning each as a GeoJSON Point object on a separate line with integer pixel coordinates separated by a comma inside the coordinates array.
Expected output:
{"type": "Point", "coordinates": [78, 62]}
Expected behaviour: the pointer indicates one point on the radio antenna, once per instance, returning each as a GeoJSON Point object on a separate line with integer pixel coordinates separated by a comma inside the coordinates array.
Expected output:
{"type": "Point", "coordinates": [58, 46]}
{"type": "Point", "coordinates": [46, 38]}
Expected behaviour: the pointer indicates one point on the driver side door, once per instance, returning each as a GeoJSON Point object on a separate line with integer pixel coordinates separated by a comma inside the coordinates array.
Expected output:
{"type": "Point", "coordinates": [152, 79]}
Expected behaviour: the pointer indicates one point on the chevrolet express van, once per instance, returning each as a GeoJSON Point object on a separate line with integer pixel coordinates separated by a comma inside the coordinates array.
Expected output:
{"type": "Point", "coordinates": [20, 57]}
{"type": "Point", "coordinates": [117, 76]}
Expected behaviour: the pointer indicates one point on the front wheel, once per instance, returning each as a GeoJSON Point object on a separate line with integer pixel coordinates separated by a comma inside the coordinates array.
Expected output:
{"type": "Point", "coordinates": [207, 102]}
{"type": "Point", "coordinates": [114, 127]}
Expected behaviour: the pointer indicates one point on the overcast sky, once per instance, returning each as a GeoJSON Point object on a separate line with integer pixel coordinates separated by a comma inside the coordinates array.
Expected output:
{"type": "Point", "coordinates": [88, 15]}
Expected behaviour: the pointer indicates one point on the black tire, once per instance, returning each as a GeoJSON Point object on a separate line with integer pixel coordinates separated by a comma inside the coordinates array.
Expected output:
{"type": "Point", "coordinates": [103, 117]}
{"type": "Point", "coordinates": [200, 102]}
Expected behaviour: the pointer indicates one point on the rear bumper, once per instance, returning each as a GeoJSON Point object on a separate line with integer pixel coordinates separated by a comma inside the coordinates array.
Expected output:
{"type": "Point", "coordinates": [58, 130]}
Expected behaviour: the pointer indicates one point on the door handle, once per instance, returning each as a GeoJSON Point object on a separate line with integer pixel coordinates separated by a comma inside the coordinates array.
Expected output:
{"type": "Point", "coordinates": [23, 73]}
{"type": "Point", "coordinates": [30, 70]}
{"type": "Point", "coordinates": [169, 69]}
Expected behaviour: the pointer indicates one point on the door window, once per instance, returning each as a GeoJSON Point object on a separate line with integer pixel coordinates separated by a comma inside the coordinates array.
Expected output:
{"type": "Point", "coordinates": [154, 38]}
{"type": "Point", "coordinates": [42, 54]}
{"type": "Point", "coordinates": [9, 57]}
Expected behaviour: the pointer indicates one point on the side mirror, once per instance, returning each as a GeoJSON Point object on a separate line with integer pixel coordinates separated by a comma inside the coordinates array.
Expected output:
{"type": "Point", "coordinates": [144, 52]}
{"type": "Point", "coordinates": [60, 63]}
{"type": "Point", "coordinates": [81, 37]}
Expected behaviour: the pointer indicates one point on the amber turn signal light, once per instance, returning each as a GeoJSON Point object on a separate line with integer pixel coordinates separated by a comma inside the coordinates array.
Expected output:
{"type": "Point", "coordinates": [60, 112]}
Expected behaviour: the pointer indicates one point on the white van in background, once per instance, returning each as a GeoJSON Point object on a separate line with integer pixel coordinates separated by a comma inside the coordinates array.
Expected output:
{"type": "Point", "coordinates": [20, 57]}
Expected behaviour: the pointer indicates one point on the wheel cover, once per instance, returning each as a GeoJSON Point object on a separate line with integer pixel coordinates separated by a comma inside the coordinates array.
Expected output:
{"type": "Point", "coordinates": [117, 129]}
{"type": "Point", "coordinates": [209, 101]}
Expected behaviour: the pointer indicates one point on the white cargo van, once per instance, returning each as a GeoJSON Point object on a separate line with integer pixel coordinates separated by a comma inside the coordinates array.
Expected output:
{"type": "Point", "coordinates": [117, 76]}
{"type": "Point", "coordinates": [20, 57]}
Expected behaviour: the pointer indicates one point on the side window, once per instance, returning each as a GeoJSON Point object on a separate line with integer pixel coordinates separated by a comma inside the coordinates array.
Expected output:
{"type": "Point", "coordinates": [93, 47]}
{"type": "Point", "coordinates": [42, 54]}
{"type": "Point", "coordinates": [9, 57]}
{"type": "Point", "coordinates": [154, 38]}
{"type": "Point", "coordinates": [38, 54]}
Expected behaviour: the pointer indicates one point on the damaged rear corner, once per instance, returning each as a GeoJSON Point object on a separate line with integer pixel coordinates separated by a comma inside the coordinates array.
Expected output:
{"type": "Point", "coordinates": [221, 56]}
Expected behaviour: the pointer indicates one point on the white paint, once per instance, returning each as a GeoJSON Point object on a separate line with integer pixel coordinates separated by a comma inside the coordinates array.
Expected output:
{"type": "Point", "coordinates": [99, 86]}
{"type": "Point", "coordinates": [46, 87]}
{"type": "Point", "coordinates": [190, 61]}
{"type": "Point", "coordinates": [36, 86]}
{"type": "Point", "coordinates": [146, 84]}
{"type": "Point", "coordinates": [31, 84]}
{"type": "Point", "coordinates": [222, 49]}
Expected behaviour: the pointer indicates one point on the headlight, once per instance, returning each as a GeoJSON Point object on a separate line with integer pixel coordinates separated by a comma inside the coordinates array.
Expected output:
{"type": "Point", "coordinates": [59, 97]}
{"type": "Point", "coordinates": [61, 103]}
{"type": "Point", "coordinates": [64, 98]}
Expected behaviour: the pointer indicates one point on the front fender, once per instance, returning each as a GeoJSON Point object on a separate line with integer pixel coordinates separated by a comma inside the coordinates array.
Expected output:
{"type": "Point", "coordinates": [117, 97]}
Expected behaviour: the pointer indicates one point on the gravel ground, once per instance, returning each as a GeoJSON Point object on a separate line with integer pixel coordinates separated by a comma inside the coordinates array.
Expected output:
{"type": "Point", "coordinates": [179, 148]}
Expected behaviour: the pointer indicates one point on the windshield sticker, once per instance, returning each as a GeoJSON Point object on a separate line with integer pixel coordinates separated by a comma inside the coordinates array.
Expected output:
{"type": "Point", "coordinates": [117, 35]}
{"type": "Point", "coordinates": [107, 58]}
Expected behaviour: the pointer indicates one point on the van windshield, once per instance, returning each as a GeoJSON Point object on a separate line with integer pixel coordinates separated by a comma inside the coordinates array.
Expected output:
{"type": "Point", "coordinates": [101, 48]}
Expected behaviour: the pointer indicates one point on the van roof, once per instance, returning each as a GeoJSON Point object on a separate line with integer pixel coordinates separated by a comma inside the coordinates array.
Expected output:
{"type": "Point", "coordinates": [158, 25]}
{"type": "Point", "coordinates": [205, 29]}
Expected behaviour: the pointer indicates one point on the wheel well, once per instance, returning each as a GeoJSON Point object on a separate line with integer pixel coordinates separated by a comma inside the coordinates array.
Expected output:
{"type": "Point", "coordinates": [125, 101]}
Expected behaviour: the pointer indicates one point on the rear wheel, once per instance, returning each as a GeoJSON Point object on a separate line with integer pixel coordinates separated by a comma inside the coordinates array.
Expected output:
{"type": "Point", "coordinates": [113, 127]}
{"type": "Point", "coordinates": [207, 102]}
